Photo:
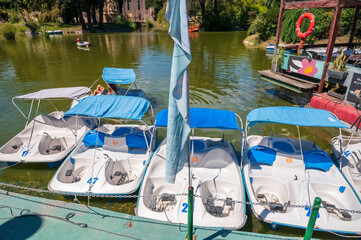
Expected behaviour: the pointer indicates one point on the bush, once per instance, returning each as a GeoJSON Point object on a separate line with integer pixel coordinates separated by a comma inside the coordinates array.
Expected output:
{"type": "Point", "coordinates": [148, 24]}
{"type": "Point", "coordinates": [265, 24]}
{"type": "Point", "coordinates": [8, 31]}
{"type": "Point", "coordinates": [161, 14]}
{"type": "Point", "coordinates": [126, 24]}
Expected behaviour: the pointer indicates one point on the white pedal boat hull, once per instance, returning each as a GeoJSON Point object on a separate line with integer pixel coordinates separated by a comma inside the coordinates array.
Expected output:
{"type": "Point", "coordinates": [219, 178]}
{"type": "Point", "coordinates": [285, 181]}
{"type": "Point", "coordinates": [99, 176]}
{"type": "Point", "coordinates": [349, 162]}
{"type": "Point", "coordinates": [51, 140]}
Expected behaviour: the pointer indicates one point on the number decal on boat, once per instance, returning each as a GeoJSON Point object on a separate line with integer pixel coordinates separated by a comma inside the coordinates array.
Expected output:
{"type": "Point", "coordinates": [308, 214]}
{"type": "Point", "coordinates": [185, 205]}
{"type": "Point", "coordinates": [24, 153]}
{"type": "Point", "coordinates": [92, 180]}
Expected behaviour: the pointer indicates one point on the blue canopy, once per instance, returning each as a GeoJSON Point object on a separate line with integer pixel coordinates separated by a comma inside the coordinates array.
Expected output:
{"type": "Point", "coordinates": [204, 118]}
{"type": "Point", "coordinates": [111, 106]}
{"type": "Point", "coordinates": [308, 117]}
{"type": "Point", "coordinates": [119, 75]}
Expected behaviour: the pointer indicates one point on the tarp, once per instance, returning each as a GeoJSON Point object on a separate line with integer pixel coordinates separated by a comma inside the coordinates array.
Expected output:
{"type": "Point", "coordinates": [308, 117]}
{"type": "Point", "coordinates": [68, 92]}
{"type": "Point", "coordinates": [204, 118]}
{"type": "Point", "coordinates": [178, 119]}
{"type": "Point", "coordinates": [111, 106]}
{"type": "Point", "coordinates": [118, 75]}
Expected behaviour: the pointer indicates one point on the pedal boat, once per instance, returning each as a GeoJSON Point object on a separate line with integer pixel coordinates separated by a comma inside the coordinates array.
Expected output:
{"type": "Point", "coordinates": [48, 137]}
{"type": "Point", "coordinates": [280, 172]}
{"type": "Point", "coordinates": [123, 76]}
{"type": "Point", "coordinates": [216, 177]}
{"type": "Point", "coordinates": [347, 152]}
{"type": "Point", "coordinates": [112, 159]}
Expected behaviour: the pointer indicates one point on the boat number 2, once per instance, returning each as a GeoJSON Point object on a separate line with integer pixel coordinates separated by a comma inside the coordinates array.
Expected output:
{"type": "Point", "coordinates": [185, 207]}
{"type": "Point", "coordinates": [92, 180]}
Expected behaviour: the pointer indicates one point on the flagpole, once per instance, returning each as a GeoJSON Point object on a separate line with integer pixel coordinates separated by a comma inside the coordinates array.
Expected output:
{"type": "Point", "coordinates": [190, 192]}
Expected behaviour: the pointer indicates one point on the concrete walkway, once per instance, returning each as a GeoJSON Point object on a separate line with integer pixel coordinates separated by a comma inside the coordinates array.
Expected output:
{"type": "Point", "coordinates": [51, 219]}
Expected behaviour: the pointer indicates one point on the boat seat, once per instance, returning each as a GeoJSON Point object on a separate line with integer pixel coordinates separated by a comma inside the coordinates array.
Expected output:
{"type": "Point", "coordinates": [13, 146]}
{"type": "Point", "coordinates": [121, 131]}
{"type": "Point", "coordinates": [318, 159]}
{"type": "Point", "coordinates": [49, 145]}
{"type": "Point", "coordinates": [215, 157]}
{"type": "Point", "coordinates": [262, 155]}
{"type": "Point", "coordinates": [90, 138]}
{"type": "Point", "coordinates": [198, 145]}
{"type": "Point", "coordinates": [53, 121]}
{"type": "Point", "coordinates": [137, 140]}
{"type": "Point", "coordinates": [356, 160]}
{"type": "Point", "coordinates": [115, 144]}
{"type": "Point", "coordinates": [283, 146]}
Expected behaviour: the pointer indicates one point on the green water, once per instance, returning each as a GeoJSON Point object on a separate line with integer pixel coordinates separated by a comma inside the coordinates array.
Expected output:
{"type": "Point", "coordinates": [223, 74]}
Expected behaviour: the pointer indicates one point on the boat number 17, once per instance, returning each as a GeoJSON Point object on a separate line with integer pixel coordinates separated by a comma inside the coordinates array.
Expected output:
{"type": "Point", "coordinates": [92, 180]}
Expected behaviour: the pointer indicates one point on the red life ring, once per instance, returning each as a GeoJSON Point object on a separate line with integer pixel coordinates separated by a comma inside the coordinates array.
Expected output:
{"type": "Point", "coordinates": [310, 17]}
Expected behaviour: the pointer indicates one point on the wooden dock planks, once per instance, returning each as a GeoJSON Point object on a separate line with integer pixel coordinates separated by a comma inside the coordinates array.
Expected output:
{"type": "Point", "coordinates": [284, 80]}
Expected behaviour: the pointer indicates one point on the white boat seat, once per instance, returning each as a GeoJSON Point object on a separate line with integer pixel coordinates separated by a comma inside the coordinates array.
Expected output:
{"type": "Point", "coordinates": [49, 145]}
{"type": "Point", "coordinates": [13, 146]}
{"type": "Point", "coordinates": [115, 144]}
{"type": "Point", "coordinates": [215, 157]}
{"type": "Point", "coordinates": [53, 121]}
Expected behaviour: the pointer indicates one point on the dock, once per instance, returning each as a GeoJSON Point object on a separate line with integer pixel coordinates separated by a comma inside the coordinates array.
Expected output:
{"type": "Point", "coordinates": [292, 83]}
{"type": "Point", "coordinates": [28, 217]}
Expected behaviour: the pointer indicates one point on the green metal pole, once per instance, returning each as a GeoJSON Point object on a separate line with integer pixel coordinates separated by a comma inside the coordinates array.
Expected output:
{"type": "Point", "coordinates": [190, 213]}
{"type": "Point", "coordinates": [313, 218]}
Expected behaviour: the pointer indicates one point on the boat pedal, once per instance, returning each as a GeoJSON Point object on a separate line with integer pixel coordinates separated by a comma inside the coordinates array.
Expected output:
{"type": "Point", "coordinates": [346, 216]}
{"type": "Point", "coordinates": [152, 205]}
{"type": "Point", "coordinates": [328, 205]}
{"type": "Point", "coordinates": [56, 148]}
{"type": "Point", "coordinates": [68, 172]}
{"type": "Point", "coordinates": [119, 173]}
{"type": "Point", "coordinates": [166, 197]}
{"type": "Point", "coordinates": [276, 207]}
{"type": "Point", "coordinates": [229, 201]}
{"type": "Point", "coordinates": [261, 195]}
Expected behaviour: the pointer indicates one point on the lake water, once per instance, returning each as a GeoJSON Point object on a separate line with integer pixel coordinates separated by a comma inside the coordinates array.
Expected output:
{"type": "Point", "coordinates": [223, 74]}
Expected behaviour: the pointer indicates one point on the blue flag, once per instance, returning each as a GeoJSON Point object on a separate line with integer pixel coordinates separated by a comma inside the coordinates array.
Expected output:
{"type": "Point", "coordinates": [178, 114]}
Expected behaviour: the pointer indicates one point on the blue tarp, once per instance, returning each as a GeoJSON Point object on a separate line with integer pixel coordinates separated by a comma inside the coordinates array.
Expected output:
{"type": "Point", "coordinates": [111, 106]}
{"type": "Point", "coordinates": [294, 116]}
{"type": "Point", "coordinates": [119, 75]}
{"type": "Point", "coordinates": [204, 118]}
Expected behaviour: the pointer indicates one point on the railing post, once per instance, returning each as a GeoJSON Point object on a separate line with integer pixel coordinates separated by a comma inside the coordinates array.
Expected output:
{"type": "Point", "coordinates": [190, 213]}
{"type": "Point", "coordinates": [313, 218]}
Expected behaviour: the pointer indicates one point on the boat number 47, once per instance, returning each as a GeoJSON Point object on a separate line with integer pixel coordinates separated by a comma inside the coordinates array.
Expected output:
{"type": "Point", "coordinates": [92, 180]}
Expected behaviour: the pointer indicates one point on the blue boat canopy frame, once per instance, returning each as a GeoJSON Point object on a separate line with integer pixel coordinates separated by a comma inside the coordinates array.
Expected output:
{"type": "Point", "coordinates": [205, 118]}
{"type": "Point", "coordinates": [118, 75]}
{"type": "Point", "coordinates": [111, 106]}
{"type": "Point", "coordinates": [307, 117]}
